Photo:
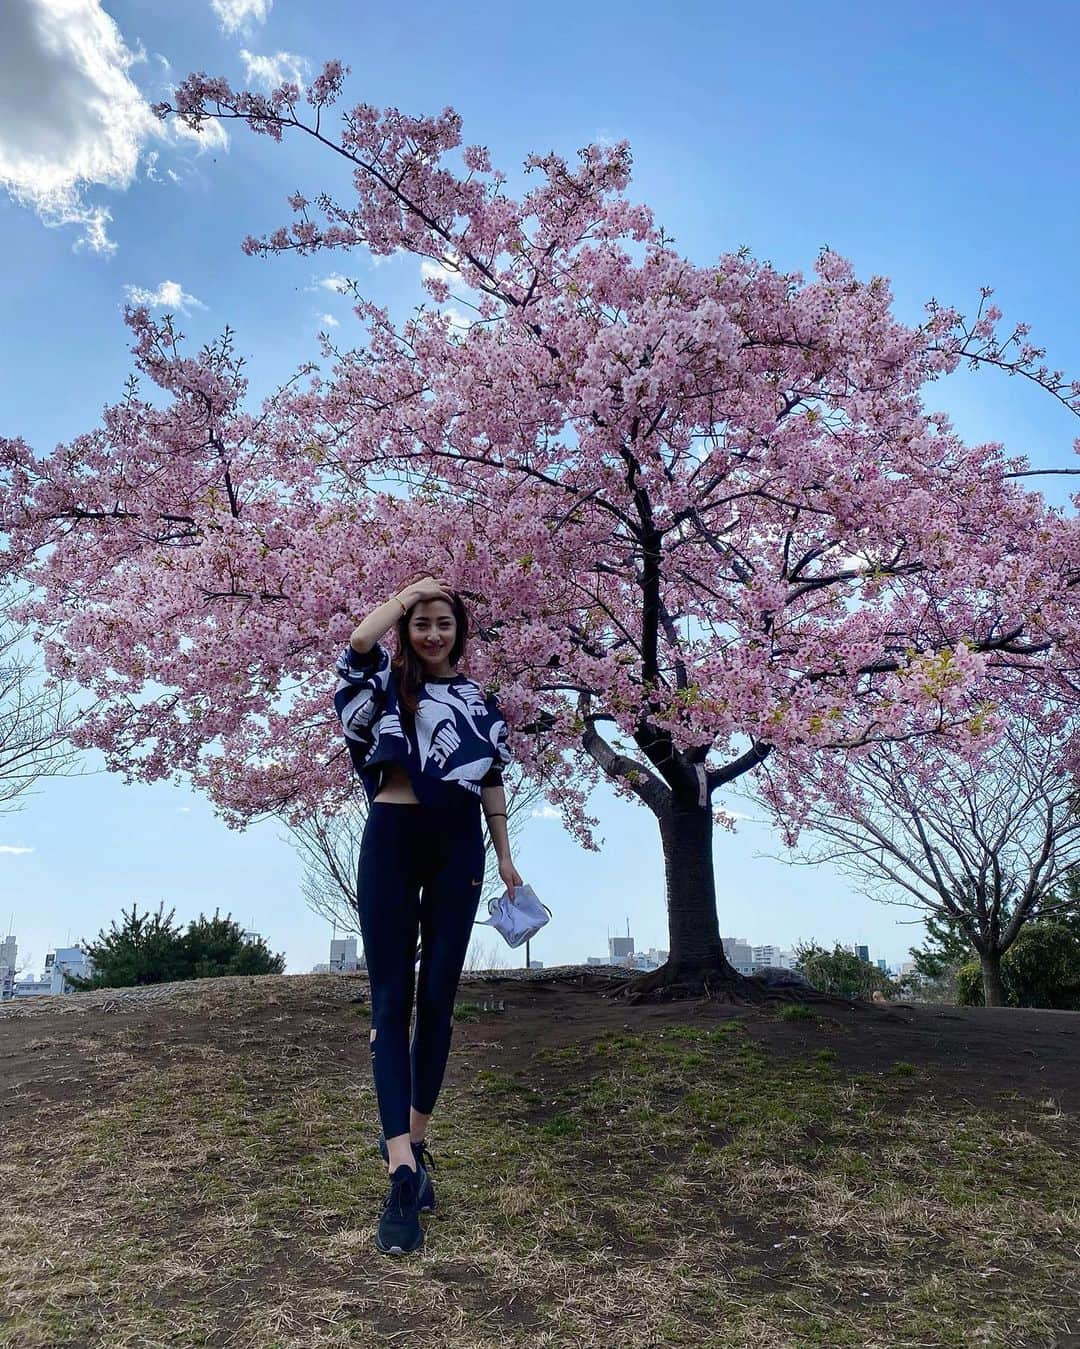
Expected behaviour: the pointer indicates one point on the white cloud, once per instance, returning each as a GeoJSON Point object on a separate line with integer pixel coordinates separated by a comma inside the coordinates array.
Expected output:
{"type": "Point", "coordinates": [13, 848]}
{"type": "Point", "coordinates": [71, 118]}
{"type": "Point", "coordinates": [69, 115]}
{"type": "Point", "coordinates": [430, 270]}
{"type": "Point", "coordinates": [183, 810]}
{"type": "Point", "coordinates": [341, 284]}
{"type": "Point", "coordinates": [272, 71]}
{"type": "Point", "coordinates": [151, 165]}
{"type": "Point", "coordinates": [169, 295]}
{"type": "Point", "coordinates": [236, 14]}
{"type": "Point", "coordinates": [211, 135]}
{"type": "Point", "coordinates": [329, 320]}
{"type": "Point", "coordinates": [334, 281]}
{"type": "Point", "coordinates": [546, 813]}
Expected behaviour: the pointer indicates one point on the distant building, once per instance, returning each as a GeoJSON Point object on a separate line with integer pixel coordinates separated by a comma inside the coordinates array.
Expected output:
{"type": "Point", "coordinates": [63, 961]}
{"type": "Point", "coordinates": [863, 952]}
{"type": "Point", "coordinates": [29, 988]}
{"type": "Point", "coordinates": [621, 952]}
{"type": "Point", "coordinates": [772, 957]}
{"type": "Point", "coordinates": [9, 953]}
{"type": "Point", "coordinates": [740, 954]}
{"type": "Point", "coordinates": [343, 956]}
{"type": "Point", "coordinates": [882, 964]}
{"type": "Point", "coordinates": [535, 964]}
{"type": "Point", "coordinates": [642, 960]}
{"type": "Point", "coordinates": [59, 964]}
{"type": "Point", "coordinates": [250, 937]}
{"type": "Point", "coordinates": [744, 958]}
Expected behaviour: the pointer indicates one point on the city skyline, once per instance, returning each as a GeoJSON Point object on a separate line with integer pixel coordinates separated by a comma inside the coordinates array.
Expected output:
{"type": "Point", "coordinates": [346, 956]}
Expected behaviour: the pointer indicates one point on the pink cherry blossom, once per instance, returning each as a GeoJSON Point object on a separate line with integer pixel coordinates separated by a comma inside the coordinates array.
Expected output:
{"type": "Point", "coordinates": [702, 512]}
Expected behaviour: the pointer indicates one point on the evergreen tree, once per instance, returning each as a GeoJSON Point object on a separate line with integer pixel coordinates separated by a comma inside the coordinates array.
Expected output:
{"type": "Point", "coordinates": [216, 946]}
{"type": "Point", "coordinates": [150, 949]}
{"type": "Point", "coordinates": [946, 947]}
{"type": "Point", "coordinates": [842, 972]}
{"type": "Point", "coordinates": [142, 949]}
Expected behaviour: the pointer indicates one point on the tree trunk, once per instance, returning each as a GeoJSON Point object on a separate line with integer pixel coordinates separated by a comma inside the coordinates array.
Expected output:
{"type": "Point", "coordinates": [696, 964]}
{"type": "Point", "coordinates": [993, 988]}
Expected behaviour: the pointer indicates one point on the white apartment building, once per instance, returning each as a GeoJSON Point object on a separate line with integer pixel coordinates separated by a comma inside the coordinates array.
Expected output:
{"type": "Point", "coordinates": [30, 988]}
{"type": "Point", "coordinates": [740, 954]}
{"type": "Point", "coordinates": [59, 964]}
{"type": "Point", "coordinates": [343, 956]}
{"type": "Point", "coordinates": [772, 955]}
{"type": "Point", "coordinates": [9, 953]}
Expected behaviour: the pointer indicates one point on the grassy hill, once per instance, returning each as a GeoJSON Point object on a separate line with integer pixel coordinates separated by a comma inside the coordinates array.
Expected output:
{"type": "Point", "coordinates": [196, 1165]}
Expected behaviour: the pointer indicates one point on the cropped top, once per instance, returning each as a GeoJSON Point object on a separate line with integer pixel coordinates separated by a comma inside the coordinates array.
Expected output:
{"type": "Point", "coordinates": [454, 746]}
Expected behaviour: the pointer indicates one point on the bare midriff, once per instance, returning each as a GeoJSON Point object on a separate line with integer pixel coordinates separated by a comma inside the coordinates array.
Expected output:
{"type": "Point", "coordinates": [396, 786]}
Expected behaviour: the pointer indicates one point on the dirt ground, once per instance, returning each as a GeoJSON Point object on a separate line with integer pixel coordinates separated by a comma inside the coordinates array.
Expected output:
{"type": "Point", "coordinates": [973, 1055]}
{"type": "Point", "coordinates": [581, 1236]}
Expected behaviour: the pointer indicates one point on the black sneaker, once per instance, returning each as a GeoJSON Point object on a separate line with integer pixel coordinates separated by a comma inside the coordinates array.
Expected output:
{"type": "Point", "coordinates": [399, 1227]}
{"type": "Point", "coordinates": [425, 1162]}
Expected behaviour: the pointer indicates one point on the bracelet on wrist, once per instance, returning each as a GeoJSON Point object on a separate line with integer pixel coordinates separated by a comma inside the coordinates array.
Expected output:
{"type": "Point", "coordinates": [492, 813]}
{"type": "Point", "coordinates": [404, 611]}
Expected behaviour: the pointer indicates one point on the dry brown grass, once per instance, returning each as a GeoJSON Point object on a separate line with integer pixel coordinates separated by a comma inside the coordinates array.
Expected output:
{"type": "Point", "coordinates": [217, 1184]}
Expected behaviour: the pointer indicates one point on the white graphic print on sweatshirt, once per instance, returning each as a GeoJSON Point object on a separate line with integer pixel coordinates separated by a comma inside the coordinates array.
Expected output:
{"type": "Point", "coordinates": [460, 734]}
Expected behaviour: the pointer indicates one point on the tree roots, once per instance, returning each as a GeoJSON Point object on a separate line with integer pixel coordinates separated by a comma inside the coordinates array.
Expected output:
{"type": "Point", "coordinates": [671, 983]}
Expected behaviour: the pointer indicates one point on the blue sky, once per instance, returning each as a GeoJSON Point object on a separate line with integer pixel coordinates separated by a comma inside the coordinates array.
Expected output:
{"type": "Point", "coordinates": [932, 143]}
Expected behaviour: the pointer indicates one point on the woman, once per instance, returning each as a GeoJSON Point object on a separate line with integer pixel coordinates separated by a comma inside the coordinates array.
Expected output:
{"type": "Point", "coordinates": [429, 746]}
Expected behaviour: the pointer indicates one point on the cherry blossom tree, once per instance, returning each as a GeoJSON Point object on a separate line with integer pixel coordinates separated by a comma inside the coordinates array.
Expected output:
{"type": "Point", "coordinates": [700, 510]}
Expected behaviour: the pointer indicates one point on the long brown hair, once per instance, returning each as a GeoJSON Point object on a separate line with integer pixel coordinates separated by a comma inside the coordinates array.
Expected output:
{"type": "Point", "coordinates": [408, 666]}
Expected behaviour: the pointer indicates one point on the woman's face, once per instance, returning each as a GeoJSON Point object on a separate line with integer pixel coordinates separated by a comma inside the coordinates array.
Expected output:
{"type": "Point", "coordinates": [432, 630]}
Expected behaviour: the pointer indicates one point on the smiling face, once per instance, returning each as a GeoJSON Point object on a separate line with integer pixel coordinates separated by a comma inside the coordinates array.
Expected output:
{"type": "Point", "coordinates": [432, 629]}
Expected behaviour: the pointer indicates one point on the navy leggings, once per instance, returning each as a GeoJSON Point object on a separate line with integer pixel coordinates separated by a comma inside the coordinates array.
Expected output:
{"type": "Point", "coordinates": [406, 849]}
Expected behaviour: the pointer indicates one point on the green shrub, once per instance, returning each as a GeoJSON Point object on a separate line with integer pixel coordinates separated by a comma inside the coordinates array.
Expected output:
{"type": "Point", "coordinates": [1040, 969]}
{"type": "Point", "coordinates": [149, 949]}
{"type": "Point", "coordinates": [842, 972]}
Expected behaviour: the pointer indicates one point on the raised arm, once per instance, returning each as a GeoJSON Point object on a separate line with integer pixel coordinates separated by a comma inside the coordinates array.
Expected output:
{"type": "Point", "coordinates": [368, 631]}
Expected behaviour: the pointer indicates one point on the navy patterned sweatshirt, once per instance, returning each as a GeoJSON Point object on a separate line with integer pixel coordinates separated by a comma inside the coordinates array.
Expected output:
{"type": "Point", "coordinates": [455, 745]}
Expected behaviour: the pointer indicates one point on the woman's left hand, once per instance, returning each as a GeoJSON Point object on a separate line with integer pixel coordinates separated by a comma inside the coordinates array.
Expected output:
{"type": "Point", "coordinates": [509, 874]}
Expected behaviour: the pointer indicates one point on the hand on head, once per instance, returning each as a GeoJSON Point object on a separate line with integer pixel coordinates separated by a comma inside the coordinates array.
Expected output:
{"type": "Point", "coordinates": [421, 587]}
